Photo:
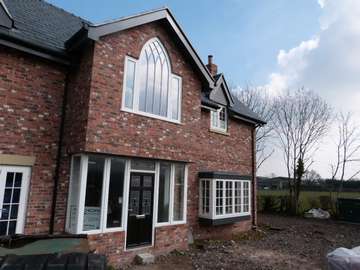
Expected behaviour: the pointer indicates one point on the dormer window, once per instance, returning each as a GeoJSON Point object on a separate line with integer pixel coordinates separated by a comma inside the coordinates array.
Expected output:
{"type": "Point", "coordinates": [150, 88]}
{"type": "Point", "coordinates": [218, 120]}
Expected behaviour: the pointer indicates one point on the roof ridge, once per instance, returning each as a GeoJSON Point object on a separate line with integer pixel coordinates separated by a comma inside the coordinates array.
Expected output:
{"type": "Point", "coordinates": [131, 16]}
{"type": "Point", "coordinates": [64, 11]}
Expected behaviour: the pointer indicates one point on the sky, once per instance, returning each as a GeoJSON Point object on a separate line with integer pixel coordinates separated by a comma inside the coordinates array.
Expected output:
{"type": "Point", "coordinates": [277, 44]}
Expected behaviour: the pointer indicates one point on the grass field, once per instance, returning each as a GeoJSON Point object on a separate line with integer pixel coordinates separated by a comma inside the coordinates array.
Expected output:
{"type": "Point", "coordinates": [309, 199]}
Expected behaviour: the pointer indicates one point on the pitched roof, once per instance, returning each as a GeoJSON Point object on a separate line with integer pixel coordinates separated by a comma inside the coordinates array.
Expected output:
{"type": "Point", "coordinates": [236, 108]}
{"type": "Point", "coordinates": [49, 28]}
{"type": "Point", "coordinates": [41, 24]}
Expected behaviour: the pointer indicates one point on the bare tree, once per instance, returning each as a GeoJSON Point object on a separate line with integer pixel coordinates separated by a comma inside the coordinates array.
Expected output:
{"type": "Point", "coordinates": [312, 177]}
{"type": "Point", "coordinates": [301, 119]}
{"type": "Point", "coordinates": [259, 101]}
{"type": "Point", "coordinates": [347, 149]}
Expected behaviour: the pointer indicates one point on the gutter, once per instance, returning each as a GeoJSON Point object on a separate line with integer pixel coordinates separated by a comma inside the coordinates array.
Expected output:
{"type": "Point", "coordinates": [58, 156]}
{"type": "Point", "coordinates": [9, 40]}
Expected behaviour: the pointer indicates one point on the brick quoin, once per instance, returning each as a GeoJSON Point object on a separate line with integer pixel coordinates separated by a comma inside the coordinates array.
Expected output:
{"type": "Point", "coordinates": [31, 95]}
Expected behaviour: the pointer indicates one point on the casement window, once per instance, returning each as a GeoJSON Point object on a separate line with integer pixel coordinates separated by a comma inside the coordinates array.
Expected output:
{"type": "Point", "coordinates": [96, 194]}
{"type": "Point", "coordinates": [218, 119]}
{"type": "Point", "coordinates": [171, 194]}
{"type": "Point", "coordinates": [222, 198]}
{"type": "Point", "coordinates": [150, 88]}
{"type": "Point", "coordinates": [99, 193]}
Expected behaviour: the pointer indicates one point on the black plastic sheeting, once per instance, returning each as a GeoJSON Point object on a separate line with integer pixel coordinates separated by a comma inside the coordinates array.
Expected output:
{"type": "Point", "coordinates": [70, 261]}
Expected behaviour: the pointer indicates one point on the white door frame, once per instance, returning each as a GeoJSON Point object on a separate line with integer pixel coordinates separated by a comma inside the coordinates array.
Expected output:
{"type": "Point", "coordinates": [24, 192]}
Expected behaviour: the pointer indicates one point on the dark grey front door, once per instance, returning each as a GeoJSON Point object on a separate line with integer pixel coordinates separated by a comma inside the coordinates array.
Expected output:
{"type": "Point", "coordinates": [140, 210]}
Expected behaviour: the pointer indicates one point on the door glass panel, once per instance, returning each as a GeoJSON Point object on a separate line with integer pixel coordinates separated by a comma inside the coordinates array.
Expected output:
{"type": "Point", "coordinates": [179, 192]}
{"type": "Point", "coordinates": [134, 202]}
{"type": "Point", "coordinates": [146, 202]}
{"type": "Point", "coordinates": [116, 190]}
{"type": "Point", "coordinates": [11, 200]}
{"type": "Point", "coordinates": [147, 181]}
{"type": "Point", "coordinates": [18, 177]}
{"type": "Point", "coordinates": [94, 182]}
{"type": "Point", "coordinates": [142, 165]}
{"type": "Point", "coordinates": [164, 193]}
{"type": "Point", "coordinates": [135, 181]}
{"type": "Point", "coordinates": [9, 179]}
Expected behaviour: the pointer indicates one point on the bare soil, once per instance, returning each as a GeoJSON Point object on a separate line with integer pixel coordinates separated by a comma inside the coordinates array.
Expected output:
{"type": "Point", "coordinates": [280, 243]}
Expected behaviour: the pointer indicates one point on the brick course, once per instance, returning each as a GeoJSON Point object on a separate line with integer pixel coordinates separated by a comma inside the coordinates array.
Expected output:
{"type": "Point", "coordinates": [31, 92]}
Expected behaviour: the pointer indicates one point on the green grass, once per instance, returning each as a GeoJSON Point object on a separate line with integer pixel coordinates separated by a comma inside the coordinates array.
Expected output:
{"type": "Point", "coordinates": [309, 199]}
{"type": "Point", "coordinates": [306, 194]}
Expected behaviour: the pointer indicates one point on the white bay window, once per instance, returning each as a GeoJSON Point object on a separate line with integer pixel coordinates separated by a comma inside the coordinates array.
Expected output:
{"type": "Point", "coordinates": [149, 86]}
{"type": "Point", "coordinates": [220, 199]}
{"type": "Point", "coordinates": [99, 192]}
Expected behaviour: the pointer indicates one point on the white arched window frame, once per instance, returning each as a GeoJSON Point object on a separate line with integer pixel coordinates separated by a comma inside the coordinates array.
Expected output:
{"type": "Point", "coordinates": [150, 88]}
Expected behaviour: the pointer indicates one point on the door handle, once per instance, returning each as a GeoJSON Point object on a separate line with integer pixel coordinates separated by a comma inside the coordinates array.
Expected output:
{"type": "Point", "coordinates": [140, 216]}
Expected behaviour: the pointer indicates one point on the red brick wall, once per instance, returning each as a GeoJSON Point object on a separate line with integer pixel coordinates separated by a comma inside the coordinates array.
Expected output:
{"type": "Point", "coordinates": [31, 92]}
{"type": "Point", "coordinates": [95, 123]}
{"type": "Point", "coordinates": [110, 130]}
{"type": "Point", "coordinates": [167, 238]}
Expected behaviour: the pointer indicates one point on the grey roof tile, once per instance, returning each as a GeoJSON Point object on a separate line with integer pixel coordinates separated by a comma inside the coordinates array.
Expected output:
{"type": "Point", "coordinates": [41, 23]}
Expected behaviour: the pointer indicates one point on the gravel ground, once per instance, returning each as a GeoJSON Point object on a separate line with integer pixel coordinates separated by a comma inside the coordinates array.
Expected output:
{"type": "Point", "coordinates": [280, 243]}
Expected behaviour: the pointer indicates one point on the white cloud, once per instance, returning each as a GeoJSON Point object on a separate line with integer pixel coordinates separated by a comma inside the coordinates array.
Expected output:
{"type": "Point", "coordinates": [327, 63]}
{"type": "Point", "coordinates": [291, 64]}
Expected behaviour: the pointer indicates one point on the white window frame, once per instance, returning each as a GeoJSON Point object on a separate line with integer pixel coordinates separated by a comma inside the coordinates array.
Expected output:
{"type": "Point", "coordinates": [105, 194]}
{"type": "Point", "coordinates": [217, 127]}
{"type": "Point", "coordinates": [135, 105]}
{"type": "Point", "coordinates": [171, 203]}
{"type": "Point", "coordinates": [212, 213]}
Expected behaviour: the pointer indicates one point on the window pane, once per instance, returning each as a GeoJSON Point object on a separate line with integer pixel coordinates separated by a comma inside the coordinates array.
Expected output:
{"type": "Point", "coordinates": [129, 90]}
{"type": "Point", "coordinates": [149, 95]}
{"type": "Point", "coordinates": [94, 182]}
{"type": "Point", "coordinates": [157, 87]}
{"type": "Point", "coordinates": [142, 165]}
{"type": "Point", "coordinates": [179, 192]}
{"type": "Point", "coordinates": [237, 197]}
{"type": "Point", "coordinates": [174, 98]}
{"type": "Point", "coordinates": [74, 194]}
{"type": "Point", "coordinates": [246, 196]}
{"type": "Point", "coordinates": [205, 196]}
{"type": "Point", "coordinates": [164, 91]}
{"type": "Point", "coordinates": [228, 194]}
{"type": "Point", "coordinates": [142, 81]}
{"type": "Point", "coordinates": [164, 193]}
{"type": "Point", "coordinates": [219, 198]}
{"type": "Point", "coordinates": [116, 191]}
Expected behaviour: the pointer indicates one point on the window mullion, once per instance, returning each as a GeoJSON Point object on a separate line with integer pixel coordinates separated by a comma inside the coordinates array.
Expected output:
{"type": "Point", "coordinates": [172, 187]}
{"type": "Point", "coordinates": [81, 202]}
{"type": "Point", "coordinates": [233, 197]}
{"type": "Point", "coordinates": [105, 193]}
{"type": "Point", "coordinates": [224, 197]}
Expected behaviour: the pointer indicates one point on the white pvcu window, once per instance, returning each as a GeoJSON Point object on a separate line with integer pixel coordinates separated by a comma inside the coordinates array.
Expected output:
{"type": "Point", "coordinates": [224, 198]}
{"type": "Point", "coordinates": [218, 119]}
{"type": "Point", "coordinates": [171, 193]}
{"type": "Point", "coordinates": [150, 88]}
{"type": "Point", "coordinates": [99, 191]}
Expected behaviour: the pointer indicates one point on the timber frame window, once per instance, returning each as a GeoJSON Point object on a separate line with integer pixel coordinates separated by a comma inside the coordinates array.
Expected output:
{"type": "Point", "coordinates": [150, 89]}
{"type": "Point", "coordinates": [99, 191]}
{"type": "Point", "coordinates": [219, 119]}
{"type": "Point", "coordinates": [224, 198]}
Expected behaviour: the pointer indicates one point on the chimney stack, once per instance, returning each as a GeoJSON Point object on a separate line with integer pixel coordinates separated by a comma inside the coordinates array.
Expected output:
{"type": "Point", "coordinates": [211, 66]}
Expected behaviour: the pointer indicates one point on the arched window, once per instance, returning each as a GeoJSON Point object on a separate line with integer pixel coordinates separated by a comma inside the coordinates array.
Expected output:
{"type": "Point", "coordinates": [149, 86]}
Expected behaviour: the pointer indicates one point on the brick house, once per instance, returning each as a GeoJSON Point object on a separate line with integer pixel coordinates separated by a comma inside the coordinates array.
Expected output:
{"type": "Point", "coordinates": [118, 131]}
